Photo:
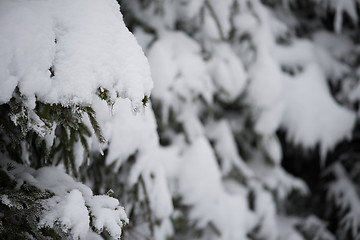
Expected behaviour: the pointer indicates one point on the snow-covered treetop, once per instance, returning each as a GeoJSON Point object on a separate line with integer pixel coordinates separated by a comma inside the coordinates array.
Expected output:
{"type": "Point", "coordinates": [65, 51]}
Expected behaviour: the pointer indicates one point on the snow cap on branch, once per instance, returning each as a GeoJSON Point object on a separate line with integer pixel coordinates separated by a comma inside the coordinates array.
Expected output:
{"type": "Point", "coordinates": [64, 51]}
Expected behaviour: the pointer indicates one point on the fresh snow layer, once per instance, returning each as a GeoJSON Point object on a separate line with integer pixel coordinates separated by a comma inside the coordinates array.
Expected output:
{"type": "Point", "coordinates": [135, 134]}
{"type": "Point", "coordinates": [227, 72]}
{"type": "Point", "coordinates": [70, 211]}
{"type": "Point", "coordinates": [179, 53]}
{"type": "Point", "coordinates": [225, 147]}
{"type": "Point", "coordinates": [311, 114]}
{"type": "Point", "coordinates": [85, 43]}
{"type": "Point", "coordinates": [344, 193]}
{"type": "Point", "coordinates": [125, 132]}
{"type": "Point", "coordinates": [307, 123]}
{"type": "Point", "coordinates": [73, 203]}
{"type": "Point", "coordinates": [200, 186]}
{"type": "Point", "coordinates": [150, 168]}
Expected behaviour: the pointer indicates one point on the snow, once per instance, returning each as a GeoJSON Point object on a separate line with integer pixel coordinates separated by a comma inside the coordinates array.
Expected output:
{"type": "Point", "coordinates": [272, 147]}
{"type": "Point", "coordinates": [203, 191]}
{"type": "Point", "coordinates": [265, 91]}
{"type": "Point", "coordinates": [343, 6]}
{"type": "Point", "coordinates": [107, 214]}
{"type": "Point", "coordinates": [150, 169]}
{"type": "Point", "coordinates": [64, 51]}
{"type": "Point", "coordinates": [197, 172]}
{"type": "Point", "coordinates": [227, 72]}
{"type": "Point", "coordinates": [337, 45]}
{"type": "Point", "coordinates": [187, 9]}
{"type": "Point", "coordinates": [135, 134]}
{"type": "Point", "coordinates": [163, 15]}
{"type": "Point", "coordinates": [307, 124]}
{"type": "Point", "coordinates": [86, 48]}
{"type": "Point", "coordinates": [8, 202]}
{"type": "Point", "coordinates": [225, 147]}
{"type": "Point", "coordinates": [344, 194]}
{"type": "Point", "coordinates": [171, 161]}
{"type": "Point", "coordinates": [179, 53]}
{"type": "Point", "coordinates": [269, 119]}
{"type": "Point", "coordinates": [125, 132]}
{"type": "Point", "coordinates": [276, 179]}
{"type": "Point", "coordinates": [265, 208]}
{"type": "Point", "coordinates": [128, 135]}
{"type": "Point", "coordinates": [354, 91]}
{"type": "Point", "coordinates": [151, 16]}
{"type": "Point", "coordinates": [70, 211]}
{"type": "Point", "coordinates": [308, 53]}
{"type": "Point", "coordinates": [222, 13]}
{"type": "Point", "coordinates": [313, 227]}
{"type": "Point", "coordinates": [73, 205]}
{"type": "Point", "coordinates": [144, 38]}
{"type": "Point", "coordinates": [286, 228]}
{"type": "Point", "coordinates": [215, 17]}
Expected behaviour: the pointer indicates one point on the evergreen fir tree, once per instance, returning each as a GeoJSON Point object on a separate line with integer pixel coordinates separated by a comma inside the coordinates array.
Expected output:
{"type": "Point", "coordinates": [251, 97]}
{"type": "Point", "coordinates": [251, 131]}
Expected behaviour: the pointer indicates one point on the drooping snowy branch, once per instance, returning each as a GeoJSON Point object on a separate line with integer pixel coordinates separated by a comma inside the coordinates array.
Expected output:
{"type": "Point", "coordinates": [72, 205]}
{"type": "Point", "coordinates": [344, 194]}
